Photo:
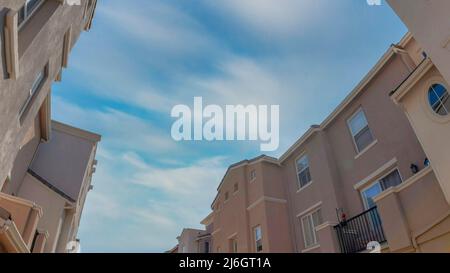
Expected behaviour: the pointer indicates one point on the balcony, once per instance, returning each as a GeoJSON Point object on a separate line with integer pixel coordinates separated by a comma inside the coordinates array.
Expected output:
{"type": "Point", "coordinates": [355, 233]}
{"type": "Point", "coordinates": [21, 217]}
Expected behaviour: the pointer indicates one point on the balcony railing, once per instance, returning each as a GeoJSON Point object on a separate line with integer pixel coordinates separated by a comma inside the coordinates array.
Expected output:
{"type": "Point", "coordinates": [354, 234]}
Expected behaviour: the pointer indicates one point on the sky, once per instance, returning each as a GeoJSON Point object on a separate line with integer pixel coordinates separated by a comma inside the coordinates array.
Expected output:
{"type": "Point", "coordinates": [143, 57]}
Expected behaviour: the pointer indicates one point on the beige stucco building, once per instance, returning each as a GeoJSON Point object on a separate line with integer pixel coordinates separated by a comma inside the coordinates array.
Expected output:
{"type": "Point", "coordinates": [367, 173]}
{"type": "Point", "coordinates": [45, 167]}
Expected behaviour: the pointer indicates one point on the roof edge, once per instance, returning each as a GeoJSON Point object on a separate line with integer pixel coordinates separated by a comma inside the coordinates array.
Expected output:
{"type": "Point", "coordinates": [74, 131]}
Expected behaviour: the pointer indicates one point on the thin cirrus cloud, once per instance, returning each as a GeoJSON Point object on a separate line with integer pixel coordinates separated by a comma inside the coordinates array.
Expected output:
{"type": "Point", "coordinates": [133, 67]}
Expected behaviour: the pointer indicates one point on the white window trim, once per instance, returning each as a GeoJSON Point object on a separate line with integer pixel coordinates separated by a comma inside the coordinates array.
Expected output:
{"type": "Point", "coordinates": [28, 16]}
{"type": "Point", "coordinates": [299, 186]}
{"type": "Point", "coordinates": [316, 241]}
{"type": "Point", "coordinates": [358, 152]}
{"type": "Point", "coordinates": [316, 246]}
{"type": "Point", "coordinates": [390, 165]}
{"type": "Point", "coordinates": [378, 181]}
{"type": "Point", "coordinates": [426, 104]}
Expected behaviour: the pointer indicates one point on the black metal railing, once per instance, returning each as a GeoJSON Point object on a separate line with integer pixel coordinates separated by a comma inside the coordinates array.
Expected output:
{"type": "Point", "coordinates": [354, 234]}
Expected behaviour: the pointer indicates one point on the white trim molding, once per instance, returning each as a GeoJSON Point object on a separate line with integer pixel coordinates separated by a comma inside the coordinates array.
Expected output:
{"type": "Point", "coordinates": [316, 246]}
{"type": "Point", "coordinates": [266, 199]}
{"type": "Point", "coordinates": [404, 185]}
{"type": "Point", "coordinates": [310, 209]}
{"type": "Point", "coordinates": [325, 225]}
{"type": "Point", "coordinates": [376, 174]}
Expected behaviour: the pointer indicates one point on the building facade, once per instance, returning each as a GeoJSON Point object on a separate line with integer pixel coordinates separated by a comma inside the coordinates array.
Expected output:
{"type": "Point", "coordinates": [365, 174]}
{"type": "Point", "coordinates": [424, 224]}
{"type": "Point", "coordinates": [40, 201]}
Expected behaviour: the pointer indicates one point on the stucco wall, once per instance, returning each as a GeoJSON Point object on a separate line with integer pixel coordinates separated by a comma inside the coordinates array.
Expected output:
{"type": "Point", "coordinates": [52, 205]}
{"type": "Point", "coordinates": [45, 47]}
{"type": "Point", "coordinates": [429, 23]}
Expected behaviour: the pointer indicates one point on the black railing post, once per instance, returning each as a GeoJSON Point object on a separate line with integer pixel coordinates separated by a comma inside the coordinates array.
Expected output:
{"type": "Point", "coordinates": [354, 234]}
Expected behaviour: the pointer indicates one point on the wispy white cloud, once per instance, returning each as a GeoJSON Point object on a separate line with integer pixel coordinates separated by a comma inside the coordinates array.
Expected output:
{"type": "Point", "coordinates": [120, 130]}
{"type": "Point", "coordinates": [284, 19]}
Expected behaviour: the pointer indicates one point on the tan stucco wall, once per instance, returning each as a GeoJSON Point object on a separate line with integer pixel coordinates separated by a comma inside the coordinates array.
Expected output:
{"type": "Point", "coordinates": [187, 241]}
{"type": "Point", "coordinates": [414, 216]}
{"type": "Point", "coordinates": [51, 203]}
{"type": "Point", "coordinates": [335, 165]}
{"type": "Point", "coordinates": [429, 22]}
{"type": "Point", "coordinates": [259, 202]}
{"type": "Point", "coordinates": [37, 47]}
{"type": "Point", "coordinates": [433, 131]}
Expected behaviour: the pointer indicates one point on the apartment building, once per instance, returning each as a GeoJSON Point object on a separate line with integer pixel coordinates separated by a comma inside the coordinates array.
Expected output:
{"type": "Point", "coordinates": [45, 166]}
{"type": "Point", "coordinates": [424, 97]}
{"type": "Point", "coordinates": [360, 176]}
{"type": "Point", "coordinates": [250, 211]}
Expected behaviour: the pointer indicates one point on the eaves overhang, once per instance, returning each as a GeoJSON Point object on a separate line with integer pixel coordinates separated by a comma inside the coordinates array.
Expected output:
{"type": "Point", "coordinates": [412, 79]}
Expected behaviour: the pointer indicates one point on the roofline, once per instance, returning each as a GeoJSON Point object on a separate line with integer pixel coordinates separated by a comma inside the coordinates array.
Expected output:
{"type": "Point", "coordinates": [405, 40]}
{"type": "Point", "coordinates": [398, 93]}
{"type": "Point", "coordinates": [261, 158]}
{"type": "Point", "coordinates": [208, 219]}
{"type": "Point", "coordinates": [51, 187]}
{"type": "Point", "coordinates": [74, 131]}
{"type": "Point", "coordinates": [392, 50]}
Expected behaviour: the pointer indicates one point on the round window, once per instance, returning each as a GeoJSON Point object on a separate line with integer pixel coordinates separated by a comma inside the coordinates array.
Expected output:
{"type": "Point", "coordinates": [438, 98]}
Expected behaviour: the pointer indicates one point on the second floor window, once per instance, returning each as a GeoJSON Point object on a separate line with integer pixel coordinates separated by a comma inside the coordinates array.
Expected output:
{"type": "Point", "coordinates": [391, 180]}
{"type": "Point", "coordinates": [362, 136]}
{"type": "Point", "coordinates": [27, 10]}
{"type": "Point", "coordinates": [226, 196]}
{"type": "Point", "coordinates": [258, 239]}
{"type": "Point", "coordinates": [303, 173]}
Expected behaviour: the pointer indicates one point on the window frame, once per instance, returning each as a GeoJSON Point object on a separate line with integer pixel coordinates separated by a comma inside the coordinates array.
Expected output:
{"type": "Point", "coordinates": [378, 181]}
{"type": "Point", "coordinates": [233, 245]}
{"type": "Point", "coordinates": [430, 87]}
{"type": "Point", "coordinates": [309, 215]}
{"type": "Point", "coordinates": [258, 227]}
{"type": "Point", "coordinates": [299, 186]}
{"type": "Point", "coordinates": [252, 175]}
{"type": "Point", "coordinates": [27, 14]}
{"type": "Point", "coordinates": [34, 91]}
{"type": "Point", "coordinates": [360, 110]}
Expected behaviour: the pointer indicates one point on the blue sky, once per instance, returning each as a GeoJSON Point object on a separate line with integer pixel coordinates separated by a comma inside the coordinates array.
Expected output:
{"type": "Point", "coordinates": [142, 57]}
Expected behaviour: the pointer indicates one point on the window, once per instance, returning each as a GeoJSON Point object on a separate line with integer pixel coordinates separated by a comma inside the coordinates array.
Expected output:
{"type": "Point", "coordinates": [258, 239]}
{"type": "Point", "coordinates": [303, 173]}
{"type": "Point", "coordinates": [233, 246]}
{"type": "Point", "coordinates": [391, 180]}
{"type": "Point", "coordinates": [226, 196]}
{"type": "Point", "coordinates": [37, 83]}
{"type": "Point", "coordinates": [439, 99]}
{"type": "Point", "coordinates": [360, 130]}
{"type": "Point", "coordinates": [206, 247]}
{"type": "Point", "coordinates": [236, 187]}
{"type": "Point", "coordinates": [252, 175]}
{"type": "Point", "coordinates": [27, 10]}
{"type": "Point", "coordinates": [309, 224]}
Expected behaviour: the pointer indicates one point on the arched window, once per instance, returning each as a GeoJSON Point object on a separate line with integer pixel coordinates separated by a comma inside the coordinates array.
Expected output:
{"type": "Point", "coordinates": [438, 98]}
